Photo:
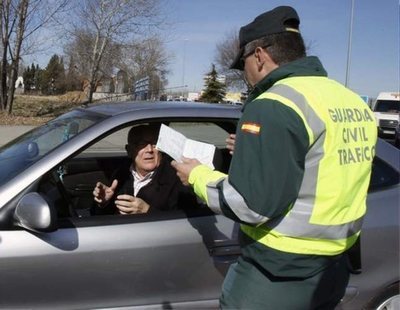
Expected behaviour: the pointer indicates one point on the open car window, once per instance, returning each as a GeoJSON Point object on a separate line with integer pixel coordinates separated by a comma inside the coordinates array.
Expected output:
{"type": "Point", "coordinates": [72, 192]}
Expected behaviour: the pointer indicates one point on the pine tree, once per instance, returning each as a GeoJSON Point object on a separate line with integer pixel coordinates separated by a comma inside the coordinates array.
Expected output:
{"type": "Point", "coordinates": [38, 78]}
{"type": "Point", "coordinates": [28, 78]}
{"type": "Point", "coordinates": [214, 91]}
{"type": "Point", "coordinates": [53, 77]}
{"type": "Point", "coordinates": [31, 77]}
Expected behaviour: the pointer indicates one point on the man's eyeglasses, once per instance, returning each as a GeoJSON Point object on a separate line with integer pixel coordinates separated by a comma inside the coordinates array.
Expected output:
{"type": "Point", "coordinates": [247, 53]}
{"type": "Point", "coordinates": [142, 143]}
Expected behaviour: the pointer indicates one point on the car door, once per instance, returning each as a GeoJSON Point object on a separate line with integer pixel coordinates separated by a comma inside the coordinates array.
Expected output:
{"type": "Point", "coordinates": [174, 259]}
{"type": "Point", "coordinates": [379, 246]}
{"type": "Point", "coordinates": [114, 261]}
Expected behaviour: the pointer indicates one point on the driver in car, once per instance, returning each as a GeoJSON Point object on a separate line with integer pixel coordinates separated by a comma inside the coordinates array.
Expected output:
{"type": "Point", "coordinates": [148, 184]}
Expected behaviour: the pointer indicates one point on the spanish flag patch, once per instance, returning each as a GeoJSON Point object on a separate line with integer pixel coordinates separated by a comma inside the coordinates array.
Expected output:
{"type": "Point", "coordinates": [253, 128]}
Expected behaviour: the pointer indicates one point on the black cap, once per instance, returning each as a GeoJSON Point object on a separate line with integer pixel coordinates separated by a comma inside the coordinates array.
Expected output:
{"type": "Point", "coordinates": [280, 19]}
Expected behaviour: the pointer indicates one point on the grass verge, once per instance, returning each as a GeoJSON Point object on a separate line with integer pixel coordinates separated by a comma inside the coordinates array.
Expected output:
{"type": "Point", "coordinates": [37, 110]}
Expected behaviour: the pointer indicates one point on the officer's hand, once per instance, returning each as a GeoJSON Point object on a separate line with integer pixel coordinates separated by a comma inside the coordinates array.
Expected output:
{"type": "Point", "coordinates": [103, 193]}
{"type": "Point", "coordinates": [128, 204]}
{"type": "Point", "coordinates": [230, 143]}
{"type": "Point", "coordinates": [184, 168]}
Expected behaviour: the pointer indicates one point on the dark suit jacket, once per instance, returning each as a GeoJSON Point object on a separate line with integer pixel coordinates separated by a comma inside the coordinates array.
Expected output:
{"type": "Point", "coordinates": [164, 192]}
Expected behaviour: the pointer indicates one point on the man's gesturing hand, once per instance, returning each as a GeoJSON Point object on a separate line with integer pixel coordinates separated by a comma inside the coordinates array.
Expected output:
{"type": "Point", "coordinates": [103, 193]}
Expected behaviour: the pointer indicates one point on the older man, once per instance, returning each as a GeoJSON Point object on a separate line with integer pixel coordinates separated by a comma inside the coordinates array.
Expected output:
{"type": "Point", "coordinates": [149, 184]}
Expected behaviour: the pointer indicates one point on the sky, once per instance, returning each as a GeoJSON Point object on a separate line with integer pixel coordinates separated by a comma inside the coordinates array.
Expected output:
{"type": "Point", "coordinates": [374, 66]}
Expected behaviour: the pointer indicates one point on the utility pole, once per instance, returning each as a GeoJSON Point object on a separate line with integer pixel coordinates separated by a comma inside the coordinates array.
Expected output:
{"type": "Point", "coordinates": [183, 65]}
{"type": "Point", "coordinates": [349, 44]}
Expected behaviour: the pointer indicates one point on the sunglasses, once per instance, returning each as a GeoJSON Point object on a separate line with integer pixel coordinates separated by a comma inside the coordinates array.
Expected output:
{"type": "Point", "coordinates": [141, 144]}
{"type": "Point", "coordinates": [251, 52]}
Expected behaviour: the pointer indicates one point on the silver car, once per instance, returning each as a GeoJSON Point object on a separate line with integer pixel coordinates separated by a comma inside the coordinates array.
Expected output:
{"type": "Point", "coordinates": [55, 252]}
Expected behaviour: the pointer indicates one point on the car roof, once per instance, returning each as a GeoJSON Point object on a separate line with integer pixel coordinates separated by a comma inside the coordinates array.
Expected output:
{"type": "Point", "coordinates": [117, 108]}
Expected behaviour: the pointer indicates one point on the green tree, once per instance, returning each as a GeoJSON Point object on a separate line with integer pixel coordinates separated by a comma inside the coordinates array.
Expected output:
{"type": "Point", "coordinates": [53, 77]}
{"type": "Point", "coordinates": [215, 90]}
{"type": "Point", "coordinates": [38, 78]}
{"type": "Point", "coordinates": [29, 75]}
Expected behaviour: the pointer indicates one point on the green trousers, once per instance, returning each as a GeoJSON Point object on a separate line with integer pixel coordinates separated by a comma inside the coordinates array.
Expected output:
{"type": "Point", "coordinates": [245, 287]}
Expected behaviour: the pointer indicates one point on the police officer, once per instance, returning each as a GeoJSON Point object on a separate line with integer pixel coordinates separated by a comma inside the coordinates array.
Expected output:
{"type": "Point", "coordinates": [299, 174]}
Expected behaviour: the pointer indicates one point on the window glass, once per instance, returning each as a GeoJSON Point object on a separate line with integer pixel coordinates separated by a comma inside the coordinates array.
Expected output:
{"type": "Point", "coordinates": [113, 143]}
{"type": "Point", "coordinates": [107, 160]}
{"type": "Point", "coordinates": [383, 175]}
{"type": "Point", "coordinates": [204, 132]}
{"type": "Point", "coordinates": [387, 106]}
{"type": "Point", "coordinates": [24, 151]}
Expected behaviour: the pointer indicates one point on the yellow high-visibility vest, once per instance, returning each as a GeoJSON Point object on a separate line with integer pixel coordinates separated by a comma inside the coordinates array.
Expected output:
{"type": "Point", "coordinates": [327, 216]}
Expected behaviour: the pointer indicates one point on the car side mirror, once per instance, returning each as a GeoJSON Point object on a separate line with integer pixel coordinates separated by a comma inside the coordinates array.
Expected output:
{"type": "Point", "coordinates": [35, 214]}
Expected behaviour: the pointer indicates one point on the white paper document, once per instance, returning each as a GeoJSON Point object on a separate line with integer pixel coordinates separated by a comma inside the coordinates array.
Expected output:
{"type": "Point", "coordinates": [177, 146]}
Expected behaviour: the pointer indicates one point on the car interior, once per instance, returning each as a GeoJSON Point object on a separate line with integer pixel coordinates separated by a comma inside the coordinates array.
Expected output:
{"type": "Point", "coordinates": [69, 186]}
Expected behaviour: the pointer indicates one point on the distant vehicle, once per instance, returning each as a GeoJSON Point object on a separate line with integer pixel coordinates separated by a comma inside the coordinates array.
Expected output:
{"type": "Point", "coordinates": [55, 253]}
{"type": "Point", "coordinates": [386, 109]}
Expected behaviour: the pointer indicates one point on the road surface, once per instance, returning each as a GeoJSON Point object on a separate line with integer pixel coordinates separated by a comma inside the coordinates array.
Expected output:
{"type": "Point", "coordinates": [8, 133]}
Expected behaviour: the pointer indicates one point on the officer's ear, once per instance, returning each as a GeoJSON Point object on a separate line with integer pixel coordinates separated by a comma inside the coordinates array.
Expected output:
{"type": "Point", "coordinates": [264, 59]}
{"type": "Point", "coordinates": [128, 149]}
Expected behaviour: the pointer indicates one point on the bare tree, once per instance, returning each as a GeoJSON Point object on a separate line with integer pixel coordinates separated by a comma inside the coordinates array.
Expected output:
{"type": "Point", "coordinates": [19, 20]}
{"type": "Point", "coordinates": [105, 25]}
{"type": "Point", "coordinates": [78, 51]}
{"type": "Point", "coordinates": [226, 52]}
{"type": "Point", "coordinates": [14, 52]}
{"type": "Point", "coordinates": [147, 58]}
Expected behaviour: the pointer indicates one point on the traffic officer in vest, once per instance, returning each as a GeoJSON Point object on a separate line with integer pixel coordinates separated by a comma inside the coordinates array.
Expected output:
{"type": "Point", "coordinates": [299, 174]}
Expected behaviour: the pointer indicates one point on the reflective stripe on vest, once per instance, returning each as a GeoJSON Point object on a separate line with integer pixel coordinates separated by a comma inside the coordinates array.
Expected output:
{"type": "Point", "coordinates": [327, 216]}
{"type": "Point", "coordinates": [234, 200]}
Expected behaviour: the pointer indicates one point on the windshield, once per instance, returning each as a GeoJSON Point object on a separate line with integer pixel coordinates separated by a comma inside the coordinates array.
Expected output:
{"type": "Point", "coordinates": [27, 149]}
{"type": "Point", "coordinates": [387, 106]}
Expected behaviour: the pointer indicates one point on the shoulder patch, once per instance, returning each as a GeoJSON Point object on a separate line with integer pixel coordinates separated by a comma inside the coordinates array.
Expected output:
{"type": "Point", "coordinates": [253, 128]}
